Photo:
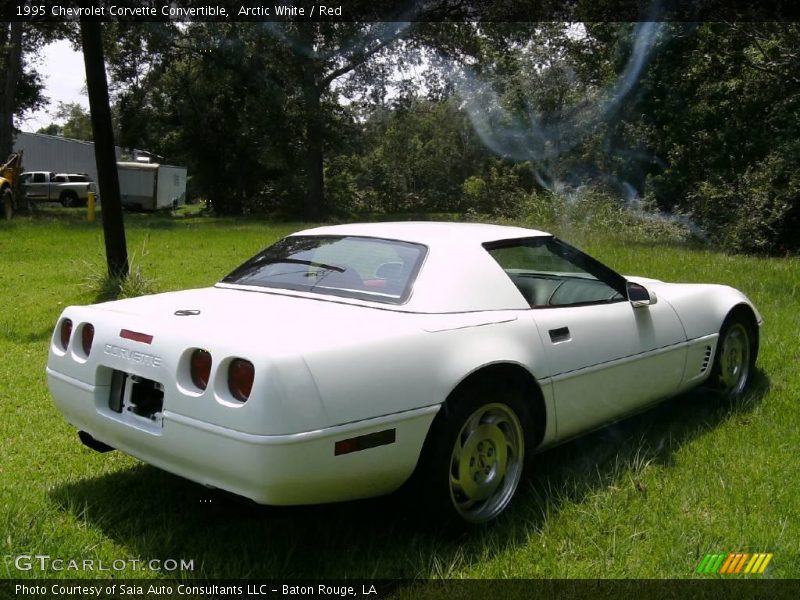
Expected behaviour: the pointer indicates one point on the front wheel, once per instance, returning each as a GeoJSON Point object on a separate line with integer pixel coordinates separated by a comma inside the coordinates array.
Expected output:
{"type": "Point", "coordinates": [475, 458]}
{"type": "Point", "coordinates": [736, 356]}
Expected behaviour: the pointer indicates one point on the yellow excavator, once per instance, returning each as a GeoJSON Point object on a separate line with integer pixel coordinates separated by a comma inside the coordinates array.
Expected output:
{"type": "Point", "coordinates": [9, 183]}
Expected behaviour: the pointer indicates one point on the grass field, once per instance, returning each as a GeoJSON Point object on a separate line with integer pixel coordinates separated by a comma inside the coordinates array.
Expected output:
{"type": "Point", "coordinates": [646, 498]}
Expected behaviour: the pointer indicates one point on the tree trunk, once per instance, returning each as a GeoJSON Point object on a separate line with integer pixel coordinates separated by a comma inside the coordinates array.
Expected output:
{"type": "Point", "coordinates": [11, 65]}
{"type": "Point", "coordinates": [104, 151]}
{"type": "Point", "coordinates": [314, 207]}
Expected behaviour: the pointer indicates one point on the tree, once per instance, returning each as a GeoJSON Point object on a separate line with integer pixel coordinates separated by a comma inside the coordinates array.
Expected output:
{"type": "Point", "coordinates": [322, 53]}
{"type": "Point", "coordinates": [11, 73]}
{"type": "Point", "coordinates": [719, 114]}
{"type": "Point", "coordinates": [20, 84]}
{"type": "Point", "coordinates": [105, 156]}
{"type": "Point", "coordinates": [415, 155]}
{"type": "Point", "coordinates": [77, 121]}
{"type": "Point", "coordinates": [215, 98]}
{"type": "Point", "coordinates": [264, 94]}
{"type": "Point", "coordinates": [52, 129]}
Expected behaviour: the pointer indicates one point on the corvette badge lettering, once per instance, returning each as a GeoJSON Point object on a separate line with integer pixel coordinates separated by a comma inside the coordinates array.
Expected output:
{"type": "Point", "coordinates": [134, 356]}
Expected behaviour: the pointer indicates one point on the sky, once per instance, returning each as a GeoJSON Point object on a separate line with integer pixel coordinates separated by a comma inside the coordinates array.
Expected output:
{"type": "Point", "coordinates": [64, 81]}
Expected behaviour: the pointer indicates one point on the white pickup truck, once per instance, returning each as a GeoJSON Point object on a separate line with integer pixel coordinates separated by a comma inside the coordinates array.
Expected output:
{"type": "Point", "coordinates": [70, 189]}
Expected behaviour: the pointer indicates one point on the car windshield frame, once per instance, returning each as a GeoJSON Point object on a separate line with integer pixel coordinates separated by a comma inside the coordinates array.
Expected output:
{"type": "Point", "coordinates": [243, 274]}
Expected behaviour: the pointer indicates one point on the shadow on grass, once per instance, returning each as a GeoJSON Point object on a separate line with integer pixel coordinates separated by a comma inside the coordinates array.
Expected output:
{"type": "Point", "coordinates": [157, 515]}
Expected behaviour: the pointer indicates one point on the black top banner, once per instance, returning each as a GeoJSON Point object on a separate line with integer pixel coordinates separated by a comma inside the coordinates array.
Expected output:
{"type": "Point", "coordinates": [403, 10]}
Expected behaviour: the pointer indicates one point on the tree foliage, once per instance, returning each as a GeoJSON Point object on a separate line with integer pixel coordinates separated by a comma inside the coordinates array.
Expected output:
{"type": "Point", "coordinates": [76, 122]}
{"type": "Point", "coordinates": [722, 122]}
{"type": "Point", "coordinates": [265, 93]}
{"type": "Point", "coordinates": [21, 86]}
{"type": "Point", "coordinates": [320, 118]}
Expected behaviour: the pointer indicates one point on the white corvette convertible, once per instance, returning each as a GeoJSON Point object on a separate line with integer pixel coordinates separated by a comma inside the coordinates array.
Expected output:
{"type": "Point", "coordinates": [341, 361]}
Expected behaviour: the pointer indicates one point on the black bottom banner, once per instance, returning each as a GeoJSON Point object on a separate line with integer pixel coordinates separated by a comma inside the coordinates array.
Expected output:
{"type": "Point", "coordinates": [463, 589]}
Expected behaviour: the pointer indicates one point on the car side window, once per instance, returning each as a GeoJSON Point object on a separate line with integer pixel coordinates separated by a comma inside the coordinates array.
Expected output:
{"type": "Point", "coordinates": [39, 178]}
{"type": "Point", "coordinates": [550, 273]}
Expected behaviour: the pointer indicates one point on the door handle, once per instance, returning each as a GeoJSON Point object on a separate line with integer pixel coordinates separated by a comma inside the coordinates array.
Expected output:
{"type": "Point", "coordinates": [560, 335]}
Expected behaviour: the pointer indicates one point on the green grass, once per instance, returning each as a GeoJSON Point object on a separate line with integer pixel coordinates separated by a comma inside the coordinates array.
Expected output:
{"type": "Point", "coordinates": [647, 497]}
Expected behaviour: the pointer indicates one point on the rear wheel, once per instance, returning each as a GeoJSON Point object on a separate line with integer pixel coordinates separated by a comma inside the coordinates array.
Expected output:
{"type": "Point", "coordinates": [736, 356]}
{"type": "Point", "coordinates": [475, 455]}
{"type": "Point", "coordinates": [69, 199]}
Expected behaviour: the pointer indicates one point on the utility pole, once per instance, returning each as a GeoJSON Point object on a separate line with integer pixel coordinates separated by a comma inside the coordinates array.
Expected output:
{"type": "Point", "coordinates": [104, 151]}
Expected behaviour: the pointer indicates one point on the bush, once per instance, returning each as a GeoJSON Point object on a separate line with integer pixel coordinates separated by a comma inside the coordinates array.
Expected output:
{"type": "Point", "coordinates": [341, 190]}
{"type": "Point", "coordinates": [104, 287]}
{"type": "Point", "coordinates": [593, 209]}
{"type": "Point", "coordinates": [500, 192]}
{"type": "Point", "coordinates": [475, 192]}
{"type": "Point", "coordinates": [759, 212]}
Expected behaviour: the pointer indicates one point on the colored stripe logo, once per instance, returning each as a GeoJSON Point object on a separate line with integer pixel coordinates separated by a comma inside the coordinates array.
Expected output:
{"type": "Point", "coordinates": [734, 562]}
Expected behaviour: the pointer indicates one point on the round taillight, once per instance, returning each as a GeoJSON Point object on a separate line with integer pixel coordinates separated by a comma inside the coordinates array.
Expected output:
{"type": "Point", "coordinates": [240, 378]}
{"type": "Point", "coordinates": [66, 332]}
{"type": "Point", "coordinates": [200, 368]}
{"type": "Point", "coordinates": [87, 337]}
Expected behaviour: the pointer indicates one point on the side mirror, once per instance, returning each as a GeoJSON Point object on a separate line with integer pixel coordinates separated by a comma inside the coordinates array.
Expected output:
{"type": "Point", "coordinates": [639, 295]}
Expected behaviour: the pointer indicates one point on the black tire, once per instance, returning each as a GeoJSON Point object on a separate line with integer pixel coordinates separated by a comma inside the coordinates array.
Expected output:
{"type": "Point", "coordinates": [8, 203]}
{"type": "Point", "coordinates": [735, 358]}
{"type": "Point", "coordinates": [69, 199]}
{"type": "Point", "coordinates": [474, 456]}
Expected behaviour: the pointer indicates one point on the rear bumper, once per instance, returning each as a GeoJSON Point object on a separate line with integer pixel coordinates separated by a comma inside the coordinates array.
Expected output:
{"type": "Point", "coordinates": [298, 468]}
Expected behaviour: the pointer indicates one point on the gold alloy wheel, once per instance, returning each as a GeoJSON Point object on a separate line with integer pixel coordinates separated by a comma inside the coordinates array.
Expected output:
{"type": "Point", "coordinates": [486, 463]}
{"type": "Point", "coordinates": [735, 360]}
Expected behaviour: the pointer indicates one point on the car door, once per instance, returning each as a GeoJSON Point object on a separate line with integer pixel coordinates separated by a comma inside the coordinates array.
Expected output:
{"type": "Point", "coordinates": [608, 360]}
{"type": "Point", "coordinates": [37, 186]}
{"type": "Point", "coordinates": [605, 357]}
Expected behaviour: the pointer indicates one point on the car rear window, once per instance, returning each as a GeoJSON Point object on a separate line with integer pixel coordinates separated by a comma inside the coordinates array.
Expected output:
{"type": "Point", "coordinates": [373, 269]}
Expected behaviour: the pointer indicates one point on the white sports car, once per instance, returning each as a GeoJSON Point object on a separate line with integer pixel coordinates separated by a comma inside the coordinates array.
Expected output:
{"type": "Point", "coordinates": [342, 360]}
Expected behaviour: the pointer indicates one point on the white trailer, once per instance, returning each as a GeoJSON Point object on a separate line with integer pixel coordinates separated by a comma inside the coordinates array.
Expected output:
{"type": "Point", "coordinates": [151, 186]}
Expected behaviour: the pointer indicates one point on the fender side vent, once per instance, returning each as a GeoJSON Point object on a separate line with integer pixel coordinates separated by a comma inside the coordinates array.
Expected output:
{"type": "Point", "coordinates": [706, 360]}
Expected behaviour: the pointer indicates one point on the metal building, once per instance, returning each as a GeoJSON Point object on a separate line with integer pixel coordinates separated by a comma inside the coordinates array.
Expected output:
{"type": "Point", "coordinates": [43, 152]}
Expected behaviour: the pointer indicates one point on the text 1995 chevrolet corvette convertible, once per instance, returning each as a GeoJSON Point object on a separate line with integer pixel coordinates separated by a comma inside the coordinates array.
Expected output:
{"type": "Point", "coordinates": [341, 361]}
